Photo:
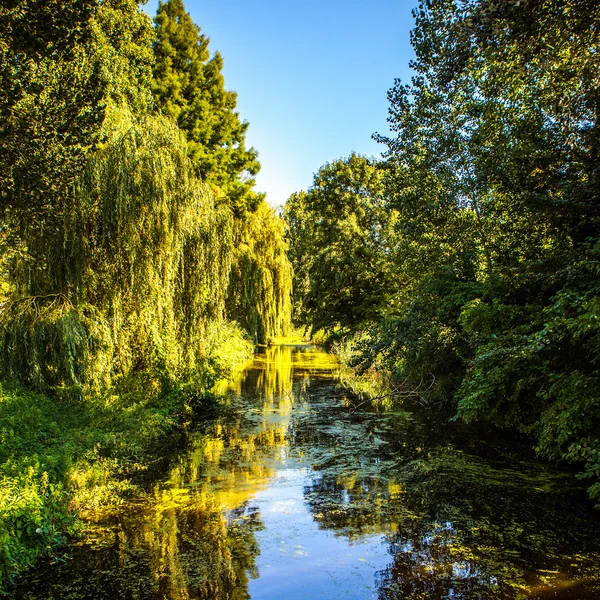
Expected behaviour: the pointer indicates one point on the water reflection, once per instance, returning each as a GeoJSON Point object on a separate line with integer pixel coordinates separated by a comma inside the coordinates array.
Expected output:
{"type": "Point", "coordinates": [286, 493]}
{"type": "Point", "coordinates": [457, 524]}
{"type": "Point", "coordinates": [193, 534]}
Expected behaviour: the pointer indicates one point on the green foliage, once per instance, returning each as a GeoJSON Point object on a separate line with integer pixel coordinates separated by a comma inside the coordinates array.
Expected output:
{"type": "Point", "coordinates": [45, 442]}
{"type": "Point", "coordinates": [116, 262]}
{"type": "Point", "coordinates": [536, 367]}
{"type": "Point", "coordinates": [34, 454]}
{"type": "Point", "coordinates": [44, 49]}
{"type": "Point", "coordinates": [422, 345]}
{"type": "Point", "coordinates": [60, 66]}
{"type": "Point", "coordinates": [509, 151]}
{"type": "Point", "coordinates": [33, 519]}
{"type": "Point", "coordinates": [122, 35]}
{"type": "Point", "coordinates": [119, 262]}
{"type": "Point", "coordinates": [60, 458]}
{"type": "Point", "coordinates": [484, 131]}
{"type": "Point", "coordinates": [189, 87]}
{"type": "Point", "coordinates": [159, 249]}
{"type": "Point", "coordinates": [261, 276]}
{"type": "Point", "coordinates": [490, 202]}
{"type": "Point", "coordinates": [49, 344]}
{"type": "Point", "coordinates": [146, 247]}
{"type": "Point", "coordinates": [228, 349]}
{"type": "Point", "coordinates": [339, 242]}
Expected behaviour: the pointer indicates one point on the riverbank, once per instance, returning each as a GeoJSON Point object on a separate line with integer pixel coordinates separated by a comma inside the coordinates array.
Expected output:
{"type": "Point", "coordinates": [286, 478]}
{"type": "Point", "coordinates": [61, 460]}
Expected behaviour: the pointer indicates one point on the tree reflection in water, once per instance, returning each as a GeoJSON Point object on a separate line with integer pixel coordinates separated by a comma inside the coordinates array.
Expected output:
{"type": "Point", "coordinates": [193, 534]}
{"type": "Point", "coordinates": [463, 518]}
{"type": "Point", "coordinates": [450, 512]}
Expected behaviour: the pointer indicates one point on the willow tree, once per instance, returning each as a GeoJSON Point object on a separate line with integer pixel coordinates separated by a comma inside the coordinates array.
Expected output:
{"type": "Point", "coordinates": [146, 259]}
{"type": "Point", "coordinates": [121, 256]}
{"type": "Point", "coordinates": [261, 277]}
{"type": "Point", "coordinates": [189, 87]}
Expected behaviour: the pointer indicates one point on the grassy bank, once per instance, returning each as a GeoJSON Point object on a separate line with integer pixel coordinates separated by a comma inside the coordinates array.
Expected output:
{"type": "Point", "coordinates": [61, 459]}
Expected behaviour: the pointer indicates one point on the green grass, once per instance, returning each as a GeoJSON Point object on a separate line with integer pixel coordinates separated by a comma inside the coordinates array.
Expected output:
{"type": "Point", "coordinates": [40, 440]}
{"type": "Point", "coordinates": [59, 459]}
{"type": "Point", "coordinates": [62, 459]}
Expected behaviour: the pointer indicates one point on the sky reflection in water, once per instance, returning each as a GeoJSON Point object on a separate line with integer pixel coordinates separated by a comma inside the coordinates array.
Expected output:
{"type": "Point", "coordinates": [287, 494]}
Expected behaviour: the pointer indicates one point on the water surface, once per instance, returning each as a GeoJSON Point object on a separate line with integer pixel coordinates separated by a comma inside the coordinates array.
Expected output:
{"type": "Point", "coordinates": [288, 492]}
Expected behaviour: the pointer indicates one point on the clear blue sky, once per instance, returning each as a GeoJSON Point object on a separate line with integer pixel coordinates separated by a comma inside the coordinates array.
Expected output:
{"type": "Point", "coordinates": [311, 77]}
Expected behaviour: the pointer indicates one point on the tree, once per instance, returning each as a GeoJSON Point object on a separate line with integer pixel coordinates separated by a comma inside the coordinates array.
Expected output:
{"type": "Point", "coordinates": [146, 255]}
{"type": "Point", "coordinates": [499, 131]}
{"type": "Point", "coordinates": [50, 105]}
{"type": "Point", "coordinates": [339, 237]}
{"type": "Point", "coordinates": [61, 64]}
{"type": "Point", "coordinates": [260, 288]}
{"type": "Point", "coordinates": [189, 87]}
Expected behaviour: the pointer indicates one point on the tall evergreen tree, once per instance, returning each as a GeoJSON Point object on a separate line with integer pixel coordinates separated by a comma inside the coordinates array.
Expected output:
{"type": "Point", "coordinates": [189, 87]}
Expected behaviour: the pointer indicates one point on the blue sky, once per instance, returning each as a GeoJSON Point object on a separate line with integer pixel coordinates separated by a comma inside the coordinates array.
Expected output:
{"type": "Point", "coordinates": [311, 77]}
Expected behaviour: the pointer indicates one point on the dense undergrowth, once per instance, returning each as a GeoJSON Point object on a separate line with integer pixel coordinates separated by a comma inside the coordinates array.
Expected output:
{"type": "Point", "coordinates": [62, 460]}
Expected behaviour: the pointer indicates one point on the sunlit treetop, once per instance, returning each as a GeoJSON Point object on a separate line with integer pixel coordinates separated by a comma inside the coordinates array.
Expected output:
{"type": "Point", "coordinates": [189, 87]}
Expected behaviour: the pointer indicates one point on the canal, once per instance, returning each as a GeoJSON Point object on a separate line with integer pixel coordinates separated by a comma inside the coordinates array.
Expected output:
{"type": "Point", "coordinates": [290, 491]}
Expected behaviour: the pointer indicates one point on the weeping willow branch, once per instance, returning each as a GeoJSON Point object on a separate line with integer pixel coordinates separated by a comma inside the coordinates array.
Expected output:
{"type": "Point", "coordinates": [135, 274]}
{"type": "Point", "coordinates": [143, 267]}
{"type": "Point", "coordinates": [260, 294]}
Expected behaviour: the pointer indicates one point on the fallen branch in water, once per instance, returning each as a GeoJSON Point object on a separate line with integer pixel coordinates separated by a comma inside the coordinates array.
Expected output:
{"type": "Point", "coordinates": [398, 392]}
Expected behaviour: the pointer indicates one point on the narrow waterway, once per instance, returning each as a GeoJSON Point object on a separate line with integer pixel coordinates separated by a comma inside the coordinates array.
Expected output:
{"type": "Point", "coordinates": [286, 492]}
